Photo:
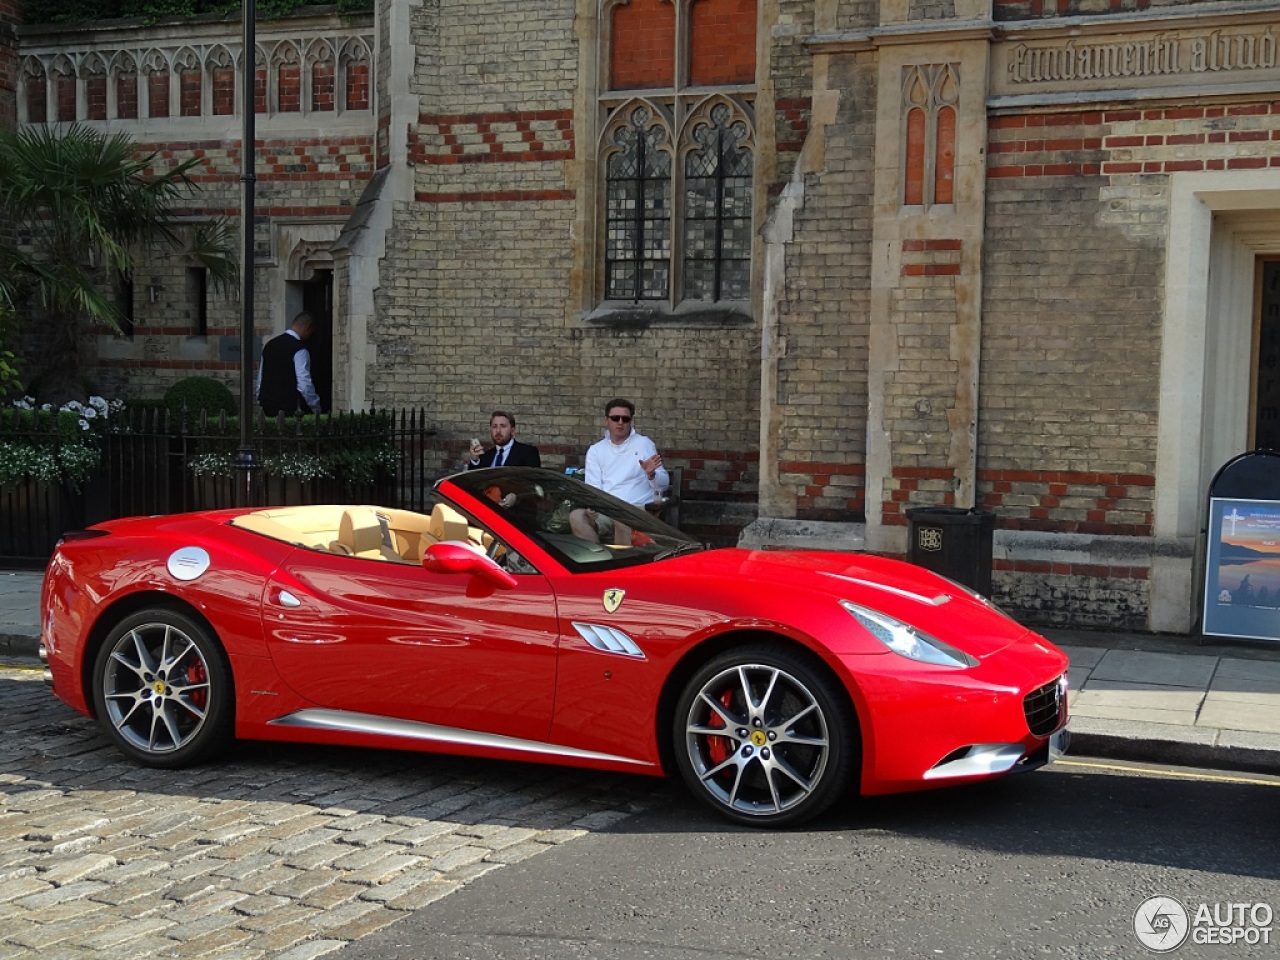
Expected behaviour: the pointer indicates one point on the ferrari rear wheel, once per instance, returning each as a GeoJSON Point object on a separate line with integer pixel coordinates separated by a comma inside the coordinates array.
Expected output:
{"type": "Point", "coordinates": [163, 690]}
{"type": "Point", "coordinates": [765, 737]}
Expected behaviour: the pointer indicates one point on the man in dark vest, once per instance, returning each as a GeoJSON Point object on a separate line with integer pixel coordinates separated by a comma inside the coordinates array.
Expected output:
{"type": "Point", "coordinates": [284, 375]}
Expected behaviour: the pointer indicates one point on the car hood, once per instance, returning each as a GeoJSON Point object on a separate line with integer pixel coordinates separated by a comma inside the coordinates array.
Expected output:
{"type": "Point", "coordinates": [803, 588]}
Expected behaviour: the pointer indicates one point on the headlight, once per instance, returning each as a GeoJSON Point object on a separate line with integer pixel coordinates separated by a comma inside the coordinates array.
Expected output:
{"type": "Point", "coordinates": [906, 641]}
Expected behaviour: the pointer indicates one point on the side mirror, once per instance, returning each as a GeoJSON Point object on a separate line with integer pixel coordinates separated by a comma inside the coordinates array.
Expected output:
{"type": "Point", "coordinates": [454, 556]}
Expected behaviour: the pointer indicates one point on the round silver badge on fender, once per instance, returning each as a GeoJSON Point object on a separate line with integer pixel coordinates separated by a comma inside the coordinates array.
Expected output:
{"type": "Point", "coordinates": [188, 563]}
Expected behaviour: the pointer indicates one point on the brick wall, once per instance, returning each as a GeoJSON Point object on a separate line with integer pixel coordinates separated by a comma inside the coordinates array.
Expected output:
{"type": "Point", "coordinates": [478, 312]}
{"type": "Point", "coordinates": [723, 41]}
{"type": "Point", "coordinates": [1071, 350]}
{"type": "Point", "coordinates": [646, 59]}
{"type": "Point", "coordinates": [822, 393]}
{"type": "Point", "coordinates": [1076, 226]}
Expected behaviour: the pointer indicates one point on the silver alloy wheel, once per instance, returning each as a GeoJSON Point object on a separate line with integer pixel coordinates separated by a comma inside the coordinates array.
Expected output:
{"type": "Point", "coordinates": [156, 688]}
{"type": "Point", "coordinates": [757, 739]}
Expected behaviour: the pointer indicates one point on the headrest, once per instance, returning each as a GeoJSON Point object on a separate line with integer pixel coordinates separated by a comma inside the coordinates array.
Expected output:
{"type": "Point", "coordinates": [447, 523]}
{"type": "Point", "coordinates": [361, 530]}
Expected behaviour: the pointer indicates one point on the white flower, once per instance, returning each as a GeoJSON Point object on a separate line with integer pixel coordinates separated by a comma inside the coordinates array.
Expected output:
{"type": "Point", "coordinates": [99, 405]}
{"type": "Point", "coordinates": [84, 424]}
{"type": "Point", "coordinates": [89, 413]}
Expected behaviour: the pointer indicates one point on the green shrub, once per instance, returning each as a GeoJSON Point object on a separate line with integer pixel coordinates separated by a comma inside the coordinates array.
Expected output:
{"type": "Point", "coordinates": [48, 445]}
{"type": "Point", "coordinates": [195, 394]}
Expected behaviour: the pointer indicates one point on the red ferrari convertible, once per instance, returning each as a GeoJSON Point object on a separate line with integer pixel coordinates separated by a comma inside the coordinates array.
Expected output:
{"type": "Point", "coordinates": [531, 617]}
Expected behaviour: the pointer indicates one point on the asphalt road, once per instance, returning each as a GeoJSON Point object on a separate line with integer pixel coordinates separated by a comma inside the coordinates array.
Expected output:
{"type": "Point", "coordinates": [1055, 864]}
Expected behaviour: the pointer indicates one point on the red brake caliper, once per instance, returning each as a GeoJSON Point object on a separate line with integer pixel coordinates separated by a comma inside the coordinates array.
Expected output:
{"type": "Point", "coordinates": [197, 674]}
{"type": "Point", "coordinates": [720, 749]}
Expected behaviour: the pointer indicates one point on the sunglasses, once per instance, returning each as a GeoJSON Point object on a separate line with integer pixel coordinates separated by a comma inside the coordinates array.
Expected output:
{"type": "Point", "coordinates": [619, 419]}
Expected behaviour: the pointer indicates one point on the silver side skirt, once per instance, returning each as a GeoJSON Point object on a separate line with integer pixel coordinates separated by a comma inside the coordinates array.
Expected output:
{"type": "Point", "coordinates": [321, 719]}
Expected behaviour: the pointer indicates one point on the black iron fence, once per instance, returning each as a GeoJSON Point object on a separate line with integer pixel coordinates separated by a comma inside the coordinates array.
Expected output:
{"type": "Point", "coordinates": [60, 473]}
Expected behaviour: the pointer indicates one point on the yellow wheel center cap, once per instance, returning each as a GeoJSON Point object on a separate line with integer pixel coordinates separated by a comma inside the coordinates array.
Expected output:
{"type": "Point", "coordinates": [159, 688]}
{"type": "Point", "coordinates": [758, 738]}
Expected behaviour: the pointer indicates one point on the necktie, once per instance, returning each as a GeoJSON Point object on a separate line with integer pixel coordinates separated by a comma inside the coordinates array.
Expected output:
{"type": "Point", "coordinates": [497, 457]}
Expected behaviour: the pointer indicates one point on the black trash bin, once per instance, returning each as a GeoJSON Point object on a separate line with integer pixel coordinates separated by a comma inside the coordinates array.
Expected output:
{"type": "Point", "coordinates": [954, 542]}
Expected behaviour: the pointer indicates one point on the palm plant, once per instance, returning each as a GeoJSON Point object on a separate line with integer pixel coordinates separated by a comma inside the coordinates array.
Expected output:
{"type": "Point", "coordinates": [80, 205]}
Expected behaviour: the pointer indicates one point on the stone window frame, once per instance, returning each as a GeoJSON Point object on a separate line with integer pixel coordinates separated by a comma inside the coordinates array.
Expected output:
{"type": "Point", "coordinates": [679, 110]}
{"type": "Point", "coordinates": [219, 58]}
{"type": "Point", "coordinates": [930, 106]}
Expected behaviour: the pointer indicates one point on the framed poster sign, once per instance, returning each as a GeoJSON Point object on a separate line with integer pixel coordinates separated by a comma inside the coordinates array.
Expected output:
{"type": "Point", "coordinates": [1242, 569]}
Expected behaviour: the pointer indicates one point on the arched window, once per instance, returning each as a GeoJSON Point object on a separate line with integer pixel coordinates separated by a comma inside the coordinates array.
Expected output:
{"type": "Point", "coordinates": [929, 96]}
{"type": "Point", "coordinates": [124, 70]}
{"type": "Point", "coordinates": [638, 209]}
{"type": "Point", "coordinates": [64, 88]}
{"type": "Point", "coordinates": [220, 75]}
{"type": "Point", "coordinates": [717, 207]}
{"type": "Point", "coordinates": [677, 164]}
{"type": "Point", "coordinates": [186, 65]}
{"type": "Point", "coordinates": [94, 71]}
{"type": "Point", "coordinates": [322, 76]}
{"type": "Point", "coordinates": [155, 70]}
{"type": "Point", "coordinates": [36, 85]}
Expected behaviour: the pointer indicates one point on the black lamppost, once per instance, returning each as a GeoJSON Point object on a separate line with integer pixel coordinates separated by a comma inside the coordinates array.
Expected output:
{"type": "Point", "coordinates": [248, 68]}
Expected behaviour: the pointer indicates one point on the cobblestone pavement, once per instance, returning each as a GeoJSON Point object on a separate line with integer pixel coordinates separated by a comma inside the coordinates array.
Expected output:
{"type": "Point", "coordinates": [282, 851]}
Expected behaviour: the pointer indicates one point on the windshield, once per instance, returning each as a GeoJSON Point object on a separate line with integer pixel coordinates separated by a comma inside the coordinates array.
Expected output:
{"type": "Point", "coordinates": [582, 527]}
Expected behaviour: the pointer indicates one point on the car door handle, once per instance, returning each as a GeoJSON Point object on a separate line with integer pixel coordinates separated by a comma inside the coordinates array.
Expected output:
{"type": "Point", "coordinates": [286, 599]}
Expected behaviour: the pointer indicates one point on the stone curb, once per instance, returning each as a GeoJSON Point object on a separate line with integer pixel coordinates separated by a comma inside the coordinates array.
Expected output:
{"type": "Point", "coordinates": [17, 647]}
{"type": "Point", "coordinates": [1177, 746]}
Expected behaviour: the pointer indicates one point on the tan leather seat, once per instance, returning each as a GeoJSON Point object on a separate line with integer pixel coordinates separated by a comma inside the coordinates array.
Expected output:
{"type": "Point", "coordinates": [364, 534]}
{"type": "Point", "coordinates": [447, 524]}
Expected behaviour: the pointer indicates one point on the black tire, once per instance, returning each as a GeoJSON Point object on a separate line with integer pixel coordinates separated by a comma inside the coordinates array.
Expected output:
{"type": "Point", "coordinates": [162, 689]}
{"type": "Point", "coordinates": [764, 736]}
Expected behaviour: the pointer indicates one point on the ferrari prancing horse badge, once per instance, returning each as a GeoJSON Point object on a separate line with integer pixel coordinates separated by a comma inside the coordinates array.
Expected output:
{"type": "Point", "coordinates": [613, 599]}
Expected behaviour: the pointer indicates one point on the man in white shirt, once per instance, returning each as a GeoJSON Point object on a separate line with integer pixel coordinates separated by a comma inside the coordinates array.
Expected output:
{"type": "Point", "coordinates": [624, 463]}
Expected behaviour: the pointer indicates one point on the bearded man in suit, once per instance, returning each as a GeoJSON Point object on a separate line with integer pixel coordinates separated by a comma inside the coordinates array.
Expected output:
{"type": "Point", "coordinates": [506, 451]}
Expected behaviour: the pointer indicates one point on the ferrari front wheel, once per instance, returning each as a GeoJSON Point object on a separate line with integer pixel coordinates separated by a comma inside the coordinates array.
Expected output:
{"type": "Point", "coordinates": [765, 736]}
{"type": "Point", "coordinates": [162, 689]}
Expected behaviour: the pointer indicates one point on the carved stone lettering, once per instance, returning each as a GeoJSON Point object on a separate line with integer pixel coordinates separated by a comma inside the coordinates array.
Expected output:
{"type": "Point", "coordinates": [1162, 55]}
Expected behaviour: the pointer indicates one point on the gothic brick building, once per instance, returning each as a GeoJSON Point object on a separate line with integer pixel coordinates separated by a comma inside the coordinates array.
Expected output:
{"type": "Point", "coordinates": [848, 256]}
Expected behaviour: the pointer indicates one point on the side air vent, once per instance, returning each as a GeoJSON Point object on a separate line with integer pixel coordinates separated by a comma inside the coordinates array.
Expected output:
{"type": "Point", "coordinates": [608, 639]}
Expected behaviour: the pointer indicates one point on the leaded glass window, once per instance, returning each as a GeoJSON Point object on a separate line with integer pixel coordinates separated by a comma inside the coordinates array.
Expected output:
{"type": "Point", "coordinates": [717, 213]}
{"type": "Point", "coordinates": [675, 191]}
{"type": "Point", "coordinates": [638, 227]}
{"type": "Point", "coordinates": [698, 249]}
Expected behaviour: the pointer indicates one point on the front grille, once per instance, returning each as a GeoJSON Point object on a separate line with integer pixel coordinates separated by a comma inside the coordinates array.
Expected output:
{"type": "Point", "coordinates": [1044, 707]}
